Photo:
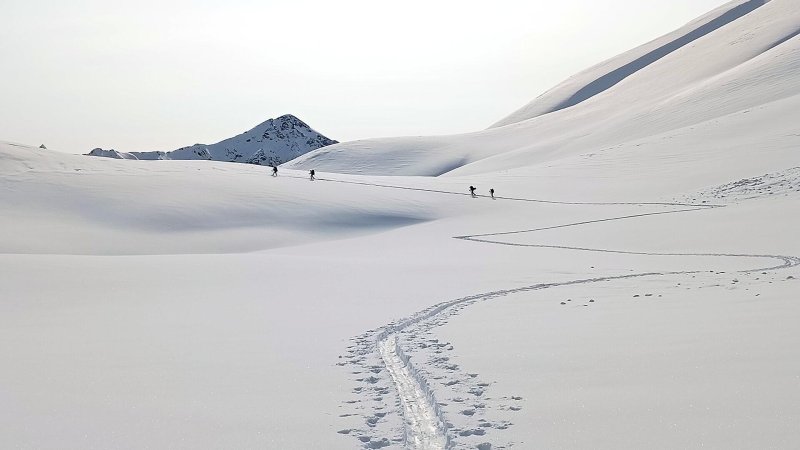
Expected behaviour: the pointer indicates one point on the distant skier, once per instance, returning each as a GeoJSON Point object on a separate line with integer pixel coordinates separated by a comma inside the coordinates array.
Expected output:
{"type": "Point", "coordinates": [472, 191]}
{"type": "Point", "coordinates": [274, 170]}
{"type": "Point", "coordinates": [311, 172]}
{"type": "Point", "coordinates": [491, 192]}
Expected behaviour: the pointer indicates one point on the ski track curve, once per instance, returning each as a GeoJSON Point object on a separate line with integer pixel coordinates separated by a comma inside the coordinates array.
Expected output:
{"type": "Point", "coordinates": [425, 424]}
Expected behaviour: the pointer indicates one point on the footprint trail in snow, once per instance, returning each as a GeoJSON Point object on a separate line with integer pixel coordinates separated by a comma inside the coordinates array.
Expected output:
{"type": "Point", "coordinates": [425, 425]}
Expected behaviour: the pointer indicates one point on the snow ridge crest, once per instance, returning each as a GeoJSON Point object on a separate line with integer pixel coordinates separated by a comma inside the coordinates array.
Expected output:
{"type": "Point", "coordinates": [570, 93]}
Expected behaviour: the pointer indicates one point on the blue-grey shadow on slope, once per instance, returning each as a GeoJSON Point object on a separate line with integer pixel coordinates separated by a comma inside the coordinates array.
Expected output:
{"type": "Point", "coordinates": [788, 38]}
{"type": "Point", "coordinates": [612, 78]}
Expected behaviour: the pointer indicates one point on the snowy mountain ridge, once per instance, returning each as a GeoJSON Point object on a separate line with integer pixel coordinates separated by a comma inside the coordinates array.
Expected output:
{"type": "Point", "coordinates": [601, 77]}
{"type": "Point", "coordinates": [274, 141]}
{"type": "Point", "coordinates": [740, 56]}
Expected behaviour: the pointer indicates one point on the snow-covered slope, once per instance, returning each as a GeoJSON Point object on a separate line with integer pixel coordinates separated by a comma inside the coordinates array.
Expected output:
{"type": "Point", "coordinates": [245, 309]}
{"type": "Point", "coordinates": [272, 142]}
{"type": "Point", "coordinates": [607, 74]}
{"type": "Point", "coordinates": [633, 285]}
{"type": "Point", "coordinates": [179, 207]}
{"type": "Point", "coordinates": [740, 56]}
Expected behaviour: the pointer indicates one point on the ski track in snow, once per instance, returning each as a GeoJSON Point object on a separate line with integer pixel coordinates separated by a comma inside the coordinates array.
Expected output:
{"type": "Point", "coordinates": [425, 425]}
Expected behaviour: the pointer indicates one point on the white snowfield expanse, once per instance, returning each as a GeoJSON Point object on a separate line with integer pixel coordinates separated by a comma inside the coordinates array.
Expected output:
{"type": "Point", "coordinates": [633, 285]}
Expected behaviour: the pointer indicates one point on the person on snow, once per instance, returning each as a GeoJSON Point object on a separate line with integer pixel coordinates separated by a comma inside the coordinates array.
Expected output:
{"type": "Point", "coordinates": [491, 192]}
{"type": "Point", "coordinates": [311, 172]}
{"type": "Point", "coordinates": [274, 170]}
{"type": "Point", "coordinates": [472, 191]}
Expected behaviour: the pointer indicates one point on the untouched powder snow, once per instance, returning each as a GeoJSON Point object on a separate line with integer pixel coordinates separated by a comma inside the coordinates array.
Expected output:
{"type": "Point", "coordinates": [632, 283]}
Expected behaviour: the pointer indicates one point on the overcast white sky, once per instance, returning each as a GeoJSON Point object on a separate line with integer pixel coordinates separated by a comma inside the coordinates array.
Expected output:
{"type": "Point", "coordinates": [158, 75]}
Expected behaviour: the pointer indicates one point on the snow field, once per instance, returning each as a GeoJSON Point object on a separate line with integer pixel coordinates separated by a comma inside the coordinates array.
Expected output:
{"type": "Point", "coordinates": [247, 341]}
{"type": "Point", "coordinates": [632, 286]}
{"type": "Point", "coordinates": [674, 361]}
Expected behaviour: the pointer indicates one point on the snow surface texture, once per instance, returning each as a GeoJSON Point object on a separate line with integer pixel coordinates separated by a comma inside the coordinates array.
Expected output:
{"type": "Point", "coordinates": [778, 183]}
{"type": "Point", "coordinates": [250, 336]}
{"type": "Point", "coordinates": [632, 285]}
{"type": "Point", "coordinates": [422, 421]}
{"type": "Point", "coordinates": [270, 143]}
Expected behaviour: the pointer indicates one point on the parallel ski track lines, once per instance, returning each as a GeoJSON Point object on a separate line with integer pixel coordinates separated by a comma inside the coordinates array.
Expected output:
{"type": "Point", "coordinates": [425, 428]}
{"type": "Point", "coordinates": [425, 424]}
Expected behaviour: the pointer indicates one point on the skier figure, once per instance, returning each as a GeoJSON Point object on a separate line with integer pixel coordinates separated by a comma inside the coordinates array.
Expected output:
{"type": "Point", "coordinates": [274, 170]}
{"type": "Point", "coordinates": [311, 172]}
{"type": "Point", "coordinates": [491, 192]}
{"type": "Point", "coordinates": [472, 191]}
